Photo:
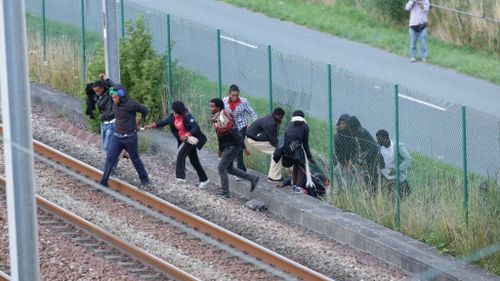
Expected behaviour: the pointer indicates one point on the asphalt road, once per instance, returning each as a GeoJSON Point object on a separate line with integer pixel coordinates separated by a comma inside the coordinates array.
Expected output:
{"type": "Point", "coordinates": [362, 79]}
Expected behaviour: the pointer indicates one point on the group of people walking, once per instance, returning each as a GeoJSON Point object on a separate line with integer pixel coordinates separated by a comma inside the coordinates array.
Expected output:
{"type": "Point", "coordinates": [355, 148]}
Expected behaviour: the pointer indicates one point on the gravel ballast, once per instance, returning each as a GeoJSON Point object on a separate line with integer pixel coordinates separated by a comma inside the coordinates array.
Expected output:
{"type": "Point", "coordinates": [333, 259]}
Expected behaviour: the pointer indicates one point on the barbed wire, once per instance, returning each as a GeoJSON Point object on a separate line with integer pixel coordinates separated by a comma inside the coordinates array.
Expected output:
{"type": "Point", "coordinates": [483, 17]}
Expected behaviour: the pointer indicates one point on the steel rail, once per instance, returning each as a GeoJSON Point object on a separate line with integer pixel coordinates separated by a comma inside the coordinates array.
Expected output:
{"type": "Point", "coordinates": [287, 265]}
{"type": "Point", "coordinates": [151, 260]}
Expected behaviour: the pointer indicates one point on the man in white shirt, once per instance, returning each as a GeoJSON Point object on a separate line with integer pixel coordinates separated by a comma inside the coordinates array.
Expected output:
{"type": "Point", "coordinates": [388, 165]}
{"type": "Point", "coordinates": [418, 27]}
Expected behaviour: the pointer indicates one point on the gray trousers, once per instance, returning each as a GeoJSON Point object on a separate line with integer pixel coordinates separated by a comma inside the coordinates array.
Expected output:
{"type": "Point", "coordinates": [226, 166]}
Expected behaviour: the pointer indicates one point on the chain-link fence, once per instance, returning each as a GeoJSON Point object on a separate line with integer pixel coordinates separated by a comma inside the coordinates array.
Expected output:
{"type": "Point", "coordinates": [443, 139]}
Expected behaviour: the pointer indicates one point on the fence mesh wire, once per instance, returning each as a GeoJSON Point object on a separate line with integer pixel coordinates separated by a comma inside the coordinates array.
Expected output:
{"type": "Point", "coordinates": [430, 129]}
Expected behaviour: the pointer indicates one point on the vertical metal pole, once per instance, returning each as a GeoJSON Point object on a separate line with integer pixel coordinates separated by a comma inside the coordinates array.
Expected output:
{"type": "Point", "coordinates": [44, 32]}
{"type": "Point", "coordinates": [330, 126]}
{"type": "Point", "coordinates": [84, 60]}
{"type": "Point", "coordinates": [396, 155]}
{"type": "Point", "coordinates": [464, 156]}
{"type": "Point", "coordinates": [169, 63]}
{"type": "Point", "coordinates": [270, 60]}
{"type": "Point", "coordinates": [18, 142]}
{"type": "Point", "coordinates": [110, 33]}
{"type": "Point", "coordinates": [122, 17]}
{"type": "Point", "coordinates": [219, 65]}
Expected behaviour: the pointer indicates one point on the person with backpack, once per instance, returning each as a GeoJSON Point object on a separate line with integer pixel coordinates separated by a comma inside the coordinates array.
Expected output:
{"type": "Point", "coordinates": [189, 138]}
{"type": "Point", "coordinates": [230, 144]}
{"type": "Point", "coordinates": [295, 151]}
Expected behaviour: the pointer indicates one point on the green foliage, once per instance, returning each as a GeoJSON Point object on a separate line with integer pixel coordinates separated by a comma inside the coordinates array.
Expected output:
{"type": "Point", "coordinates": [142, 69]}
{"type": "Point", "coordinates": [360, 23]}
{"type": "Point", "coordinates": [390, 9]}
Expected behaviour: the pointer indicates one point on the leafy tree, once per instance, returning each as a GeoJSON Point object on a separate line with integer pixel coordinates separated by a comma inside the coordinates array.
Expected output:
{"type": "Point", "coordinates": [142, 70]}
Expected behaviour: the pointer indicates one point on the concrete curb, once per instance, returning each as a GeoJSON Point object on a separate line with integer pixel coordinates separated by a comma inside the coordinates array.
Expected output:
{"type": "Point", "coordinates": [390, 246]}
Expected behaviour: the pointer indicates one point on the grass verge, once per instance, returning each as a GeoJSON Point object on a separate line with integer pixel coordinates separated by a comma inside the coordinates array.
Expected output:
{"type": "Point", "coordinates": [361, 26]}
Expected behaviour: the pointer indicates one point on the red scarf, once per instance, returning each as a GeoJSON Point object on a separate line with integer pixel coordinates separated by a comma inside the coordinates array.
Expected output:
{"type": "Point", "coordinates": [232, 104]}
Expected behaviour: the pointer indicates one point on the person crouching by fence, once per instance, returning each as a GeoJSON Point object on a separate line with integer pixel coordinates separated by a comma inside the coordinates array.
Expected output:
{"type": "Point", "coordinates": [230, 144]}
{"type": "Point", "coordinates": [262, 134]}
{"type": "Point", "coordinates": [295, 151]}
{"type": "Point", "coordinates": [388, 165]}
{"type": "Point", "coordinates": [125, 135]}
{"type": "Point", "coordinates": [189, 138]}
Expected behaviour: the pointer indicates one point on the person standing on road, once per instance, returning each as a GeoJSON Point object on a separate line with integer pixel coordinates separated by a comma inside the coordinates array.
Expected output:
{"type": "Point", "coordinates": [418, 27]}
{"type": "Point", "coordinates": [125, 135]}
{"type": "Point", "coordinates": [189, 137]}
{"type": "Point", "coordinates": [263, 135]}
{"type": "Point", "coordinates": [388, 165]}
{"type": "Point", "coordinates": [230, 144]}
{"type": "Point", "coordinates": [239, 107]}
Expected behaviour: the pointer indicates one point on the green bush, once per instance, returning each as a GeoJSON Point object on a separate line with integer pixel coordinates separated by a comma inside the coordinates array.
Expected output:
{"type": "Point", "coordinates": [142, 69]}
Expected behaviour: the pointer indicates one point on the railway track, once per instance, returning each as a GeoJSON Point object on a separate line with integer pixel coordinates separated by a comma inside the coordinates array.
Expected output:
{"type": "Point", "coordinates": [102, 242]}
{"type": "Point", "coordinates": [248, 247]}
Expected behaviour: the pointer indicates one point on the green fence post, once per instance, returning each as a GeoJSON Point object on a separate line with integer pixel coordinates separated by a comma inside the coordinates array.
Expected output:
{"type": "Point", "coordinates": [84, 61]}
{"type": "Point", "coordinates": [44, 32]}
{"type": "Point", "coordinates": [269, 59]}
{"type": "Point", "coordinates": [169, 63]}
{"type": "Point", "coordinates": [396, 155]}
{"type": "Point", "coordinates": [330, 126]}
{"type": "Point", "coordinates": [464, 156]}
{"type": "Point", "coordinates": [219, 64]}
{"type": "Point", "coordinates": [122, 17]}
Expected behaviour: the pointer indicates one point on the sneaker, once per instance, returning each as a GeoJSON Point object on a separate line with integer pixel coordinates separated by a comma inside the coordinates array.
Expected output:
{"type": "Point", "coordinates": [296, 189]}
{"type": "Point", "coordinates": [180, 180]}
{"type": "Point", "coordinates": [203, 184]}
{"type": "Point", "coordinates": [254, 183]}
{"type": "Point", "coordinates": [237, 178]}
{"type": "Point", "coordinates": [223, 194]}
{"type": "Point", "coordinates": [273, 180]}
{"type": "Point", "coordinates": [424, 60]}
{"type": "Point", "coordinates": [144, 185]}
{"type": "Point", "coordinates": [413, 59]}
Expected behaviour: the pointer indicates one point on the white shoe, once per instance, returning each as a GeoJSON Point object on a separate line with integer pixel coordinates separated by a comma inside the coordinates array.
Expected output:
{"type": "Point", "coordinates": [180, 180]}
{"type": "Point", "coordinates": [237, 178]}
{"type": "Point", "coordinates": [203, 184]}
{"type": "Point", "coordinates": [413, 59]}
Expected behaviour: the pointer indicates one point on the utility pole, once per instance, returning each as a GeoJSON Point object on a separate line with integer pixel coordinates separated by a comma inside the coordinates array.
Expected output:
{"type": "Point", "coordinates": [17, 142]}
{"type": "Point", "coordinates": [110, 33]}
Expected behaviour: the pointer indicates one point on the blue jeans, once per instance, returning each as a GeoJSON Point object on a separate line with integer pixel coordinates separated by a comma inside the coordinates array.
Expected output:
{"type": "Point", "coordinates": [107, 131]}
{"type": "Point", "coordinates": [130, 144]}
{"type": "Point", "coordinates": [413, 42]}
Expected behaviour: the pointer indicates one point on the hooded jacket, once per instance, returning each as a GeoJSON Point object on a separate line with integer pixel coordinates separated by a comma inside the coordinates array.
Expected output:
{"type": "Point", "coordinates": [344, 143]}
{"type": "Point", "coordinates": [367, 147]}
{"type": "Point", "coordinates": [125, 112]}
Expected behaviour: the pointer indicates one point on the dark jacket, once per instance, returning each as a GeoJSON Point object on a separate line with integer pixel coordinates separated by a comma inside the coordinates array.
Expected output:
{"type": "Point", "coordinates": [264, 129]}
{"type": "Point", "coordinates": [231, 138]}
{"type": "Point", "coordinates": [105, 105]}
{"type": "Point", "coordinates": [125, 112]}
{"type": "Point", "coordinates": [190, 126]}
{"type": "Point", "coordinates": [345, 146]}
{"type": "Point", "coordinates": [90, 100]}
{"type": "Point", "coordinates": [296, 136]}
{"type": "Point", "coordinates": [368, 148]}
